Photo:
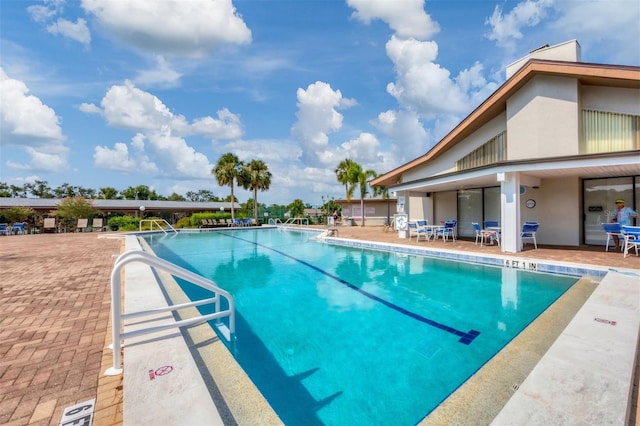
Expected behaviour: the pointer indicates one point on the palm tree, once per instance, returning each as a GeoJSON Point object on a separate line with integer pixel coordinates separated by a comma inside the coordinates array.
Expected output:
{"type": "Point", "coordinates": [256, 175]}
{"type": "Point", "coordinates": [226, 171]}
{"type": "Point", "coordinates": [363, 178]}
{"type": "Point", "coordinates": [346, 173]}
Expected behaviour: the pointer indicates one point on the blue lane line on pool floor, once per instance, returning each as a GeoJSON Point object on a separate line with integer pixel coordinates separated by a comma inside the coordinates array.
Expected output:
{"type": "Point", "coordinates": [465, 337]}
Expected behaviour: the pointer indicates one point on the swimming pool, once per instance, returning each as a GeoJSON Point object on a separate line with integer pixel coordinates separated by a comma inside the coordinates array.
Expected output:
{"type": "Point", "coordinates": [338, 335]}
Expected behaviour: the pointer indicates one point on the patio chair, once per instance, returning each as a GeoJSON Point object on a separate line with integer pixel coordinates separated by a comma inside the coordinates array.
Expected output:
{"type": "Point", "coordinates": [612, 229]}
{"type": "Point", "coordinates": [97, 224]}
{"type": "Point", "coordinates": [631, 238]}
{"type": "Point", "coordinates": [484, 234]}
{"type": "Point", "coordinates": [49, 224]}
{"type": "Point", "coordinates": [415, 231]}
{"type": "Point", "coordinates": [448, 230]}
{"type": "Point", "coordinates": [491, 224]}
{"type": "Point", "coordinates": [529, 230]}
{"type": "Point", "coordinates": [19, 228]}
{"type": "Point", "coordinates": [82, 225]}
{"type": "Point", "coordinates": [4, 229]}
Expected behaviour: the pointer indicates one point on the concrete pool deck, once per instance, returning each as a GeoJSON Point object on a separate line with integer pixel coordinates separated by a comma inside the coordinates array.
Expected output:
{"type": "Point", "coordinates": [55, 307]}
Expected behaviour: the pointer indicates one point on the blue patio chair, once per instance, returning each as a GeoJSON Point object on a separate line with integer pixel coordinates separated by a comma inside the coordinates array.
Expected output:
{"type": "Point", "coordinates": [491, 224]}
{"type": "Point", "coordinates": [631, 238]}
{"type": "Point", "coordinates": [417, 232]}
{"type": "Point", "coordinates": [19, 228]}
{"type": "Point", "coordinates": [448, 230]}
{"type": "Point", "coordinates": [484, 234]}
{"type": "Point", "coordinates": [4, 229]}
{"type": "Point", "coordinates": [612, 229]}
{"type": "Point", "coordinates": [529, 230]}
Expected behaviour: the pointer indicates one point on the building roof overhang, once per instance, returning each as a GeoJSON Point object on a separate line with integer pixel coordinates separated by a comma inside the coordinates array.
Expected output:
{"type": "Point", "coordinates": [586, 73]}
{"type": "Point", "coordinates": [531, 172]}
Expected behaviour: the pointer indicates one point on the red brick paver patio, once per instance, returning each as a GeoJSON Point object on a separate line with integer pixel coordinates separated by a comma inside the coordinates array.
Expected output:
{"type": "Point", "coordinates": [54, 313]}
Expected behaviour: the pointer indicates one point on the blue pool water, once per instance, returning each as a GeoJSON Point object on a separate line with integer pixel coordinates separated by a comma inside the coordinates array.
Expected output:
{"type": "Point", "coordinates": [336, 335]}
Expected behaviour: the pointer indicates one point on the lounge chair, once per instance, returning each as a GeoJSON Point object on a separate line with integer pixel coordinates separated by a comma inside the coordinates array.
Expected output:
{"type": "Point", "coordinates": [97, 224]}
{"type": "Point", "coordinates": [529, 230]}
{"type": "Point", "coordinates": [485, 234]}
{"type": "Point", "coordinates": [631, 238]}
{"type": "Point", "coordinates": [82, 225]}
{"type": "Point", "coordinates": [49, 225]}
{"type": "Point", "coordinates": [4, 229]}
{"type": "Point", "coordinates": [612, 229]}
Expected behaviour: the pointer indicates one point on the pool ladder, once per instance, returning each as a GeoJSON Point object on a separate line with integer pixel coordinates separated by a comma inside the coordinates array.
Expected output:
{"type": "Point", "coordinates": [117, 316]}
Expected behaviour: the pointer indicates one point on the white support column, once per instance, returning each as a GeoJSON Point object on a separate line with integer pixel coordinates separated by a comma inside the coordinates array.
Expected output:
{"type": "Point", "coordinates": [510, 211]}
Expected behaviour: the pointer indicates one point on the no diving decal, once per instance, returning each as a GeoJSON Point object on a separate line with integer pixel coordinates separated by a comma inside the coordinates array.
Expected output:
{"type": "Point", "coordinates": [159, 372]}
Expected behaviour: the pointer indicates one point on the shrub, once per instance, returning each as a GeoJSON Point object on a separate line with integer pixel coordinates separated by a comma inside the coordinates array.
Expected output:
{"type": "Point", "coordinates": [124, 223]}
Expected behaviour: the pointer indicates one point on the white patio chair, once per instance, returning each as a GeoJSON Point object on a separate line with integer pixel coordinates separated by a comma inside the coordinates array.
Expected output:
{"type": "Point", "coordinates": [529, 230]}
{"type": "Point", "coordinates": [612, 229]}
{"type": "Point", "coordinates": [417, 232]}
{"type": "Point", "coordinates": [631, 238]}
{"type": "Point", "coordinates": [484, 234]}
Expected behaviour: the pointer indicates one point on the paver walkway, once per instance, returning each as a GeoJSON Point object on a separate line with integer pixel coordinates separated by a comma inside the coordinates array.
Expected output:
{"type": "Point", "coordinates": [54, 312]}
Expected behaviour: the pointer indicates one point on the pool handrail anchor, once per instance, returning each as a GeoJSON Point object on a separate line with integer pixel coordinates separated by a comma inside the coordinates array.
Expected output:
{"type": "Point", "coordinates": [117, 316]}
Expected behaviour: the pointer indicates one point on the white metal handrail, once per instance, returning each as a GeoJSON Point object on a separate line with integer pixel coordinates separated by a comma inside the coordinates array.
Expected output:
{"type": "Point", "coordinates": [159, 223]}
{"type": "Point", "coordinates": [117, 316]}
{"type": "Point", "coordinates": [297, 221]}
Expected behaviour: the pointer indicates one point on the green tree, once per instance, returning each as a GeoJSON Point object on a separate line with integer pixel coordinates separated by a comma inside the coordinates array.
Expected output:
{"type": "Point", "coordinates": [176, 197]}
{"type": "Point", "coordinates": [256, 176]}
{"type": "Point", "coordinates": [40, 189]}
{"type": "Point", "coordinates": [201, 196]}
{"type": "Point", "coordinates": [108, 193]}
{"type": "Point", "coordinates": [18, 191]}
{"type": "Point", "coordinates": [5, 190]}
{"type": "Point", "coordinates": [140, 192]}
{"type": "Point", "coordinates": [296, 208]}
{"type": "Point", "coordinates": [226, 172]}
{"type": "Point", "coordinates": [17, 214]}
{"type": "Point", "coordinates": [65, 191]}
{"type": "Point", "coordinates": [71, 209]}
{"type": "Point", "coordinates": [346, 174]}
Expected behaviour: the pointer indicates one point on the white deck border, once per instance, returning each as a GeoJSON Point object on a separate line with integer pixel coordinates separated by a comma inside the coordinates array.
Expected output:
{"type": "Point", "coordinates": [586, 376]}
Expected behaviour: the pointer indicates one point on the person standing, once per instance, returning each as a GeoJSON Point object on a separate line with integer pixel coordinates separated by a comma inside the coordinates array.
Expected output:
{"type": "Point", "coordinates": [623, 217]}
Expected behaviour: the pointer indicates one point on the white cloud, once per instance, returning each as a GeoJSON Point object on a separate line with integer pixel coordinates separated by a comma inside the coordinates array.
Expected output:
{"type": "Point", "coordinates": [159, 140]}
{"type": "Point", "coordinates": [29, 124]}
{"type": "Point", "coordinates": [42, 13]}
{"type": "Point", "coordinates": [161, 75]}
{"type": "Point", "coordinates": [591, 23]}
{"type": "Point", "coordinates": [405, 128]}
{"type": "Point", "coordinates": [316, 118]}
{"type": "Point", "coordinates": [406, 17]}
{"type": "Point", "coordinates": [171, 27]}
{"type": "Point", "coordinates": [114, 159]}
{"type": "Point", "coordinates": [25, 119]}
{"type": "Point", "coordinates": [506, 29]}
{"type": "Point", "coordinates": [78, 31]}
{"type": "Point", "coordinates": [424, 86]}
{"type": "Point", "coordinates": [226, 126]}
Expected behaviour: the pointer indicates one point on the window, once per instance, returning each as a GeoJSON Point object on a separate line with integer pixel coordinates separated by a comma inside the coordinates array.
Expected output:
{"type": "Point", "coordinates": [491, 152]}
{"type": "Point", "coordinates": [609, 132]}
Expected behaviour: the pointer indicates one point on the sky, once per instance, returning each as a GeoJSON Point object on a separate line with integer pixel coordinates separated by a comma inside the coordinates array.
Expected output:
{"type": "Point", "coordinates": [111, 93]}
